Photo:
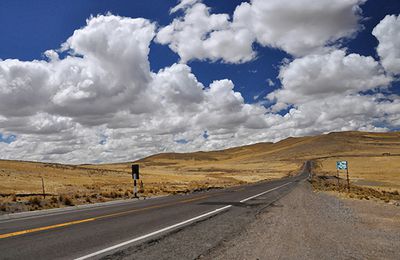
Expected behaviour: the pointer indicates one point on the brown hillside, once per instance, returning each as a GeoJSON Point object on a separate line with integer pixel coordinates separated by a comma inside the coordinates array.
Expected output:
{"type": "Point", "coordinates": [333, 144]}
{"type": "Point", "coordinates": [374, 160]}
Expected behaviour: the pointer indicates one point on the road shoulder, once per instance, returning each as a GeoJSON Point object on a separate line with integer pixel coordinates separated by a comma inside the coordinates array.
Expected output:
{"type": "Point", "coordinates": [309, 225]}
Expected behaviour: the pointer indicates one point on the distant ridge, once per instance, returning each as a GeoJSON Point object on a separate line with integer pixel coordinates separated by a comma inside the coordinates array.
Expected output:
{"type": "Point", "coordinates": [308, 147]}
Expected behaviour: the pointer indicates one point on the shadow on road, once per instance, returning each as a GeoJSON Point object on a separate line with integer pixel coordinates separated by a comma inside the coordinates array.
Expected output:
{"type": "Point", "coordinates": [235, 204]}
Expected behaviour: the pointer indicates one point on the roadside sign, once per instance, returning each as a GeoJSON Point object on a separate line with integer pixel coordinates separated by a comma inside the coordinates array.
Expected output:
{"type": "Point", "coordinates": [341, 165]}
{"type": "Point", "coordinates": [135, 171]}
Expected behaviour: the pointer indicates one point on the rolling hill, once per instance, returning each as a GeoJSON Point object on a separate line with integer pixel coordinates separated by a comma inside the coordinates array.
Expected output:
{"type": "Point", "coordinates": [374, 160]}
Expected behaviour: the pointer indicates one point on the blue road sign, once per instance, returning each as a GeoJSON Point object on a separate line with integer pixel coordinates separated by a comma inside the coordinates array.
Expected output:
{"type": "Point", "coordinates": [341, 165]}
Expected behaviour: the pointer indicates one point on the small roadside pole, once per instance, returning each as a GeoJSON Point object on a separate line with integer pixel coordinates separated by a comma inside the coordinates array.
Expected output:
{"type": "Point", "coordinates": [348, 180]}
{"type": "Point", "coordinates": [43, 191]}
{"type": "Point", "coordinates": [343, 165]}
{"type": "Point", "coordinates": [337, 175]}
{"type": "Point", "coordinates": [135, 177]}
{"type": "Point", "coordinates": [141, 186]}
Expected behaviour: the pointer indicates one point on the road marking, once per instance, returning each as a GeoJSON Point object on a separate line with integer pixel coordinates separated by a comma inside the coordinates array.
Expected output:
{"type": "Point", "coordinates": [22, 232]}
{"type": "Point", "coordinates": [154, 233]}
{"type": "Point", "coordinates": [46, 228]}
{"type": "Point", "coordinates": [172, 226]}
{"type": "Point", "coordinates": [152, 207]}
{"type": "Point", "coordinates": [262, 193]}
{"type": "Point", "coordinates": [63, 211]}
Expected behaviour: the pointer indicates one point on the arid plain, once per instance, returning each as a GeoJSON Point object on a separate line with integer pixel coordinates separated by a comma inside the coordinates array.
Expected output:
{"type": "Point", "coordinates": [374, 162]}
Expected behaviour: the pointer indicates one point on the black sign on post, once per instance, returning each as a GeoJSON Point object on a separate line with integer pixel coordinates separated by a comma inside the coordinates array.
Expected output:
{"type": "Point", "coordinates": [135, 176]}
{"type": "Point", "coordinates": [135, 171]}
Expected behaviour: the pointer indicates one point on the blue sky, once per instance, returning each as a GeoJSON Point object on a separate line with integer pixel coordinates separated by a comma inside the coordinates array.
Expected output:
{"type": "Point", "coordinates": [47, 24]}
{"type": "Point", "coordinates": [46, 109]}
{"type": "Point", "coordinates": [7, 139]}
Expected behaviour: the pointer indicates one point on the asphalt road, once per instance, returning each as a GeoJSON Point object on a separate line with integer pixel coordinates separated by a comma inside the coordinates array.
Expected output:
{"type": "Point", "coordinates": [88, 233]}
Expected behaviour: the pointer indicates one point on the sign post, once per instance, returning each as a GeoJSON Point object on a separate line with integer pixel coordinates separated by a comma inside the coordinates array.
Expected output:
{"type": "Point", "coordinates": [343, 165]}
{"type": "Point", "coordinates": [348, 180]}
{"type": "Point", "coordinates": [337, 176]}
{"type": "Point", "coordinates": [135, 177]}
{"type": "Point", "coordinates": [44, 193]}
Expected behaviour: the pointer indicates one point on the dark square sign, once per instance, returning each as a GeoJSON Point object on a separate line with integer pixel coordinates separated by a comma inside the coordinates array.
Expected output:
{"type": "Point", "coordinates": [135, 171]}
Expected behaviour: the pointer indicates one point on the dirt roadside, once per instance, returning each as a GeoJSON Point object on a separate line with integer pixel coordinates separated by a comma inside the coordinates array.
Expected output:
{"type": "Point", "coordinates": [309, 225]}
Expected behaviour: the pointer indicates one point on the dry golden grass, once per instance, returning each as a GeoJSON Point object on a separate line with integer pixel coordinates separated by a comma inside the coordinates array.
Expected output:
{"type": "Point", "coordinates": [340, 188]}
{"type": "Point", "coordinates": [174, 173]}
{"type": "Point", "coordinates": [373, 171]}
{"type": "Point", "coordinates": [374, 159]}
{"type": "Point", "coordinates": [25, 178]}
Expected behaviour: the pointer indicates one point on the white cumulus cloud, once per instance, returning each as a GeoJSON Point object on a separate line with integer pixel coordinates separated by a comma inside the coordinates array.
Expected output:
{"type": "Point", "coordinates": [204, 36]}
{"type": "Point", "coordinates": [388, 34]}
{"type": "Point", "coordinates": [300, 27]}
{"type": "Point", "coordinates": [297, 27]}
{"type": "Point", "coordinates": [101, 102]}
{"type": "Point", "coordinates": [323, 75]}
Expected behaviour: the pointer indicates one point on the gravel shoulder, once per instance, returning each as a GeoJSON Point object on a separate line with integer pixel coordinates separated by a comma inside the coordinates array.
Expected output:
{"type": "Point", "coordinates": [309, 225]}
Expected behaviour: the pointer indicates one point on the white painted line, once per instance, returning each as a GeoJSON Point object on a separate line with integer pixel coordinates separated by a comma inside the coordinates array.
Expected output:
{"type": "Point", "coordinates": [262, 193]}
{"type": "Point", "coordinates": [153, 233]}
{"type": "Point", "coordinates": [173, 226]}
{"type": "Point", "coordinates": [12, 217]}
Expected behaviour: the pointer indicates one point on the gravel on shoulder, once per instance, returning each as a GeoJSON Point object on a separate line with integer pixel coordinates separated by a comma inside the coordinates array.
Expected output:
{"type": "Point", "coordinates": [309, 225]}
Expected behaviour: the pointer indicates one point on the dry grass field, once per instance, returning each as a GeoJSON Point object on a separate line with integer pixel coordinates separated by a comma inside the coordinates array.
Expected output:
{"type": "Point", "coordinates": [373, 171]}
{"type": "Point", "coordinates": [374, 160]}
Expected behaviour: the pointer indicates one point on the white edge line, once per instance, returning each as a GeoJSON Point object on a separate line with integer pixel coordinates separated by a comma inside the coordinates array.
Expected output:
{"type": "Point", "coordinates": [153, 233]}
{"type": "Point", "coordinates": [62, 211]}
{"type": "Point", "coordinates": [173, 226]}
{"type": "Point", "coordinates": [262, 193]}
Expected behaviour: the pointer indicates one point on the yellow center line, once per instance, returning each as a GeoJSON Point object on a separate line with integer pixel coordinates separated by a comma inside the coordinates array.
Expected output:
{"type": "Point", "coordinates": [22, 232]}
{"type": "Point", "coordinates": [45, 228]}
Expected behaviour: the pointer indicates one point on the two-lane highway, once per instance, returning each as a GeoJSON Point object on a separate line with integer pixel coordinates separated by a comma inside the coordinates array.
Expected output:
{"type": "Point", "coordinates": [92, 232]}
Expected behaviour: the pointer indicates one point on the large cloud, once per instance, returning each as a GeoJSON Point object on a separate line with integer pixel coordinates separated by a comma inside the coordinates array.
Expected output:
{"type": "Point", "coordinates": [24, 87]}
{"type": "Point", "coordinates": [109, 70]}
{"type": "Point", "coordinates": [202, 35]}
{"type": "Point", "coordinates": [300, 27]}
{"type": "Point", "coordinates": [102, 102]}
{"type": "Point", "coordinates": [99, 101]}
{"type": "Point", "coordinates": [342, 113]}
{"type": "Point", "coordinates": [335, 90]}
{"type": "Point", "coordinates": [318, 76]}
{"type": "Point", "coordinates": [297, 27]}
{"type": "Point", "coordinates": [388, 34]}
